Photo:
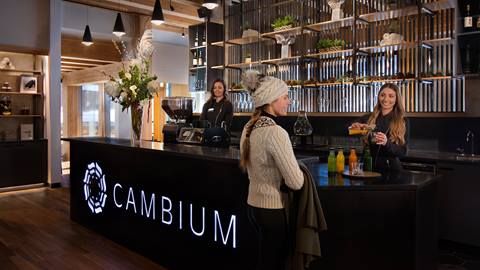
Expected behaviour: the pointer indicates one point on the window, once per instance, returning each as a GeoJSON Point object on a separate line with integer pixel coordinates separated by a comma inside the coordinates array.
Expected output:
{"type": "Point", "coordinates": [90, 110]}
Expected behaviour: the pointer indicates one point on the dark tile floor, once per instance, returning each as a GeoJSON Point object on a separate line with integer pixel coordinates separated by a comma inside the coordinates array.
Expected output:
{"type": "Point", "coordinates": [458, 257]}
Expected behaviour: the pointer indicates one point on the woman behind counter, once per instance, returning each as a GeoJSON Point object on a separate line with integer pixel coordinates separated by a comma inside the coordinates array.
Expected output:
{"type": "Point", "coordinates": [389, 139]}
{"type": "Point", "coordinates": [218, 109]}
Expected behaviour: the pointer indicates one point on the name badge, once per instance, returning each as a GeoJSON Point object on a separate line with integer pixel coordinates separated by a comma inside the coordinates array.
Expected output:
{"type": "Point", "coordinates": [211, 109]}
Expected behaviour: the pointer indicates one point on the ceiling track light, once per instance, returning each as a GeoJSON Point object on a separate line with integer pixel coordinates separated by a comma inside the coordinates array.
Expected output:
{"type": "Point", "coordinates": [157, 15]}
{"type": "Point", "coordinates": [118, 28]}
{"type": "Point", "coordinates": [87, 37]}
{"type": "Point", "coordinates": [210, 4]}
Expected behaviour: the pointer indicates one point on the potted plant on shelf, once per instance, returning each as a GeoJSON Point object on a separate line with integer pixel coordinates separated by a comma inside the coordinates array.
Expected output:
{"type": "Point", "coordinates": [392, 36]}
{"type": "Point", "coordinates": [282, 23]}
{"type": "Point", "coordinates": [330, 45]}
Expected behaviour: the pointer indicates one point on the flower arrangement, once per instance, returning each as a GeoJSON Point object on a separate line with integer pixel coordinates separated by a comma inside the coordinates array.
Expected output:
{"type": "Point", "coordinates": [135, 85]}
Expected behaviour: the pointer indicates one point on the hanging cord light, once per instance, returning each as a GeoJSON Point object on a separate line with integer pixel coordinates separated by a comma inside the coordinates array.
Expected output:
{"type": "Point", "coordinates": [87, 36]}
{"type": "Point", "coordinates": [119, 29]}
{"type": "Point", "coordinates": [157, 15]}
{"type": "Point", "coordinates": [210, 4]}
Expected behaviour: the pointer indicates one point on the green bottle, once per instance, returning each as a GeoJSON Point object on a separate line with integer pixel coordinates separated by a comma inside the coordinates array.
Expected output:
{"type": "Point", "coordinates": [367, 160]}
{"type": "Point", "coordinates": [332, 162]}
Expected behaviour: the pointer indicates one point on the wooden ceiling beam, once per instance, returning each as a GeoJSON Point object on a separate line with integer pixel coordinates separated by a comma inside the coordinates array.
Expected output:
{"type": "Point", "coordinates": [83, 59]}
{"type": "Point", "coordinates": [80, 64]}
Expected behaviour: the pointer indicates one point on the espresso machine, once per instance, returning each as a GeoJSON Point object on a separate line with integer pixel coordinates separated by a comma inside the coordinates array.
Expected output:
{"type": "Point", "coordinates": [179, 109]}
{"type": "Point", "coordinates": [181, 130]}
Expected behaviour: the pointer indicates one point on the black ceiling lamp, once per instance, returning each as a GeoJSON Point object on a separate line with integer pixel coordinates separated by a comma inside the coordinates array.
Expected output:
{"type": "Point", "coordinates": [210, 4]}
{"type": "Point", "coordinates": [183, 32]}
{"type": "Point", "coordinates": [118, 29]}
{"type": "Point", "coordinates": [157, 15]}
{"type": "Point", "coordinates": [87, 37]}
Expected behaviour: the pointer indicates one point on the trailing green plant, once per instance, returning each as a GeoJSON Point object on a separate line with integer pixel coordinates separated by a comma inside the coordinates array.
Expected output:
{"type": "Point", "coordinates": [279, 22]}
{"type": "Point", "coordinates": [329, 43]}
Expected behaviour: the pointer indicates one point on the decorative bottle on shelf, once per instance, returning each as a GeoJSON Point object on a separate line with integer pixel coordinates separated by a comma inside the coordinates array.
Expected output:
{"type": "Point", "coordinates": [200, 60]}
{"type": "Point", "coordinates": [332, 162]}
{"type": "Point", "coordinates": [467, 67]}
{"type": "Point", "coordinates": [195, 44]}
{"type": "Point", "coordinates": [204, 41]}
{"type": "Point", "coordinates": [468, 20]}
{"type": "Point", "coordinates": [302, 126]}
{"type": "Point", "coordinates": [194, 59]}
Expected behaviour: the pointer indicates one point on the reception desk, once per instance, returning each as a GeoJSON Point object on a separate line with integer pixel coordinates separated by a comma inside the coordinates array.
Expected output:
{"type": "Point", "coordinates": [185, 207]}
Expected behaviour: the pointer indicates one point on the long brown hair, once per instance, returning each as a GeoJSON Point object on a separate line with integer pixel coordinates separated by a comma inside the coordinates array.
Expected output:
{"type": "Point", "coordinates": [245, 154]}
{"type": "Point", "coordinates": [397, 125]}
{"type": "Point", "coordinates": [212, 94]}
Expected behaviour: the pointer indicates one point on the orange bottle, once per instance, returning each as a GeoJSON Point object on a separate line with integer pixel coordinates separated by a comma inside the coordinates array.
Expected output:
{"type": "Point", "coordinates": [352, 160]}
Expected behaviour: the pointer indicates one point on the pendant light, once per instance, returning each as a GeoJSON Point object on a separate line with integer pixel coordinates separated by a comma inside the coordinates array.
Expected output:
{"type": "Point", "coordinates": [210, 4]}
{"type": "Point", "coordinates": [118, 29]}
{"type": "Point", "coordinates": [183, 32]}
{"type": "Point", "coordinates": [87, 36]}
{"type": "Point", "coordinates": [157, 15]}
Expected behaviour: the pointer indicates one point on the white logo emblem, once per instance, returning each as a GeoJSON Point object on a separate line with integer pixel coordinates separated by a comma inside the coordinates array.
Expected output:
{"type": "Point", "coordinates": [94, 188]}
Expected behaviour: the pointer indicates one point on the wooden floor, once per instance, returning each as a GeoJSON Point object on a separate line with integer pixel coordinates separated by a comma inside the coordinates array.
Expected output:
{"type": "Point", "coordinates": [36, 233]}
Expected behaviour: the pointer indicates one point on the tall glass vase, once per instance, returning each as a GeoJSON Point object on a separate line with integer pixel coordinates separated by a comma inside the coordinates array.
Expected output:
{"type": "Point", "coordinates": [136, 113]}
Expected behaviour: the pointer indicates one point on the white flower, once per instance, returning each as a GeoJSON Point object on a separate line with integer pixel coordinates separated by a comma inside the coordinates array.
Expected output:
{"type": "Point", "coordinates": [123, 96]}
{"type": "Point", "coordinates": [133, 87]}
{"type": "Point", "coordinates": [153, 87]}
{"type": "Point", "coordinates": [112, 89]}
{"type": "Point", "coordinates": [128, 76]}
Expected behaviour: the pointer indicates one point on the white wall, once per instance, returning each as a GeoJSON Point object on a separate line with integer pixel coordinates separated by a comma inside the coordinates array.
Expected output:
{"type": "Point", "coordinates": [170, 63]}
{"type": "Point", "coordinates": [25, 23]}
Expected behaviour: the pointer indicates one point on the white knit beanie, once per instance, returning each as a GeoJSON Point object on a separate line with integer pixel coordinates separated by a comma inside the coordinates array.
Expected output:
{"type": "Point", "coordinates": [264, 89]}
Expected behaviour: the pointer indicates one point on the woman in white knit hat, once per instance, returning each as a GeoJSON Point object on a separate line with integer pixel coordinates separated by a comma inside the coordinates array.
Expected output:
{"type": "Point", "coordinates": [267, 155]}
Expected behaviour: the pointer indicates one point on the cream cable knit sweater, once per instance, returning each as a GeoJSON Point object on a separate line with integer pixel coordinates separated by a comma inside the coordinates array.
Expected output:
{"type": "Point", "coordinates": [271, 161]}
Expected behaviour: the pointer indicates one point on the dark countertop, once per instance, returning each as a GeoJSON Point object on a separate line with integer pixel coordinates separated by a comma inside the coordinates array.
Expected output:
{"type": "Point", "coordinates": [202, 152]}
{"type": "Point", "coordinates": [402, 180]}
{"type": "Point", "coordinates": [393, 181]}
{"type": "Point", "coordinates": [413, 155]}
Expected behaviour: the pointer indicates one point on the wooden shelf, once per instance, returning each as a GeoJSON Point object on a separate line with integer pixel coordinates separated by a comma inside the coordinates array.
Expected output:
{"type": "Point", "coordinates": [237, 90]}
{"type": "Point", "coordinates": [293, 31]}
{"type": "Point", "coordinates": [218, 43]}
{"type": "Point", "coordinates": [198, 47]}
{"type": "Point", "coordinates": [243, 65]}
{"type": "Point", "coordinates": [468, 33]}
{"type": "Point", "coordinates": [18, 93]}
{"type": "Point", "coordinates": [407, 11]}
{"type": "Point", "coordinates": [218, 67]}
{"type": "Point", "coordinates": [327, 84]}
{"type": "Point", "coordinates": [435, 78]}
{"type": "Point", "coordinates": [280, 60]}
{"type": "Point", "coordinates": [244, 41]}
{"type": "Point", "coordinates": [322, 26]}
{"type": "Point", "coordinates": [439, 41]}
{"type": "Point", "coordinates": [394, 47]}
{"type": "Point", "coordinates": [20, 71]}
{"type": "Point", "coordinates": [21, 116]}
{"type": "Point", "coordinates": [197, 68]}
{"type": "Point", "coordinates": [330, 53]}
